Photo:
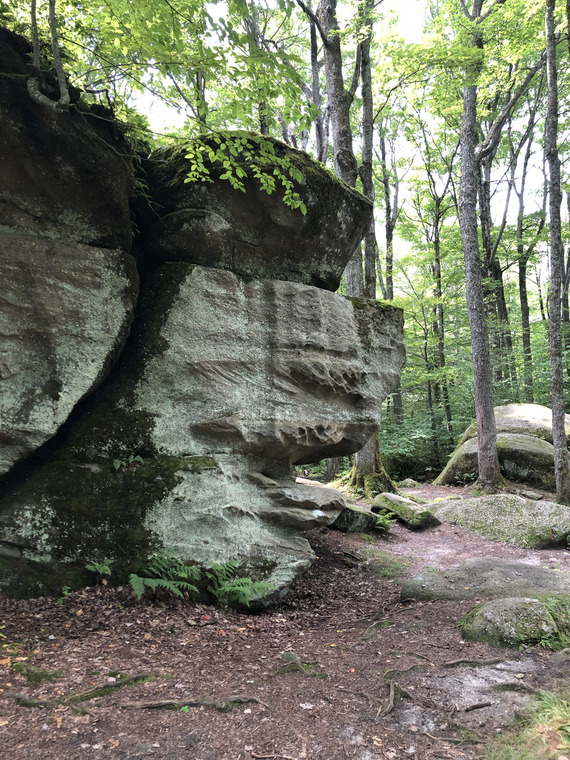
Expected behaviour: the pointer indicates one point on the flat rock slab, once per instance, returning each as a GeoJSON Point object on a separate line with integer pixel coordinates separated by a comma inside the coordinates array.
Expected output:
{"type": "Point", "coordinates": [509, 518]}
{"type": "Point", "coordinates": [487, 578]}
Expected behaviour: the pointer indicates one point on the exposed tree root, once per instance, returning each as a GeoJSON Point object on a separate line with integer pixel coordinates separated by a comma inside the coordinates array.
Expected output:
{"type": "Point", "coordinates": [82, 696]}
{"type": "Point", "coordinates": [224, 705]}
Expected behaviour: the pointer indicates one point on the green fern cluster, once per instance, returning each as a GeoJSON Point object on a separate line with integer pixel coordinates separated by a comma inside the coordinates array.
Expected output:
{"type": "Point", "coordinates": [228, 588]}
{"type": "Point", "coordinates": [168, 572]}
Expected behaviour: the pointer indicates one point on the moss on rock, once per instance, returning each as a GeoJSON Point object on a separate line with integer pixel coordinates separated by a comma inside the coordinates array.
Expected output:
{"type": "Point", "coordinates": [509, 622]}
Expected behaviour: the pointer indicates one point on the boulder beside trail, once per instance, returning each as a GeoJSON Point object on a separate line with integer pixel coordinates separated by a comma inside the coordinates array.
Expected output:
{"type": "Point", "coordinates": [509, 518]}
{"type": "Point", "coordinates": [355, 519]}
{"type": "Point", "coordinates": [525, 419]}
{"type": "Point", "coordinates": [509, 622]}
{"type": "Point", "coordinates": [236, 362]}
{"type": "Point", "coordinates": [415, 516]}
{"type": "Point", "coordinates": [522, 458]}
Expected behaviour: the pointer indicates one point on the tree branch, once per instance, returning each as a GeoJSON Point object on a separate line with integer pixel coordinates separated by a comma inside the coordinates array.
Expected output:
{"type": "Point", "coordinates": [315, 21]}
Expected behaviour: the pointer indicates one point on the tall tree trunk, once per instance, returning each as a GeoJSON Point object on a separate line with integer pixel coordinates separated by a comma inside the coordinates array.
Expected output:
{"type": "Point", "coordinates": [366, 176]}
{"type": "Point", "coordinates": [489, 474]}
{"type": "Point", "coordinates": [556, 265]}
{"type": "Point", "coordinates": [368, 473]}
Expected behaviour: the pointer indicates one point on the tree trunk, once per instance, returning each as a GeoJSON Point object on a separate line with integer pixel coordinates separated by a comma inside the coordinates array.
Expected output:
{"type": "Point", "coordinates": [489, 474]}
{"type": "Point", "coordinates": [556, 265]}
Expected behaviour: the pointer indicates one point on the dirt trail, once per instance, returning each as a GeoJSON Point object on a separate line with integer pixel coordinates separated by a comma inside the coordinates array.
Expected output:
{"type": "Point", "coordinates": [342, 669]}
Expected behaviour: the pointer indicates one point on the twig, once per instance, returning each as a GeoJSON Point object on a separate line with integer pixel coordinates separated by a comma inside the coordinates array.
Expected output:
{"type": "Point", "coordinates": [478, 706]}
{"type": "Point", "coordinates": [270, 757]}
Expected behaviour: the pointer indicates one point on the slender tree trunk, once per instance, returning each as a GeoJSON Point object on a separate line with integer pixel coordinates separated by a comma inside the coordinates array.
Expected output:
{"type": "Point", "coordinates": [556, 265]}
{"type": "Point", "coordinates": [366, 176]}
{"type": "Point", "coordinates": [489, 474]}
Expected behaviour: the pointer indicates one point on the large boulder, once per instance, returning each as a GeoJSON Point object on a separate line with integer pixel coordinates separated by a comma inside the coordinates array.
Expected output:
{"type": "Point", "coordinates": [524, 419]}
{"type": "Point", "coordinates": [190, 445]}
{"type": "Point", "coordinates": [509, 518]}
{"type": "Point", "coordinates": [266, 368]}
{"type": "Point", "coordinates": [522, 458]}
{"type": "Point", "coordinates": [69, 286]}
{"type": "Point", "coordinates": [415, 516]}
{"type": "Point", "coordinates": [253, 233]}
{"type": "Point", "coordinates": [63, 175]}
{"type": "Point", "coordinates": [235, 368]}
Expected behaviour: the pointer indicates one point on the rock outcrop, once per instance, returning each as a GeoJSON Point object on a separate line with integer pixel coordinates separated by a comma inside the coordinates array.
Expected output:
{"type": "Point", "coordinates": [524, 447]}
{"type": "Point", "coordinates": [236, 366]}
{"type": "Point", "coordinates": [253, 233]}
{"type": "Point", "coordinates": [69, 285]}
{"type": "Point", "coordinates": [509, 518]}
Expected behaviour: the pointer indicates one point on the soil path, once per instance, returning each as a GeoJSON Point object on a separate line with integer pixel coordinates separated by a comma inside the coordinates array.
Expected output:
{"type": "Point", "coordinates": [342, 669]}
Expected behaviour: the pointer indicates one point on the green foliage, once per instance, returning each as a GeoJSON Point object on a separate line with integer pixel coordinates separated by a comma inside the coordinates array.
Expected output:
{"type": "Point", "coordinates": [127, 461]}
{"type": "Point", "coordinates": [101, 568]}
{"type": "Point", "coordinates": [384, 522]}
{"type": "Point", "coordinates": [64, 592]}
{"type": "Point", "coordinates": [244, 155]}
{"type": "Point", "coordinates": [228, 588]}
{"type": "Point", "coordinates": [168, 572]}
{"type": "Point", "coordinates": [541, 735]}
{"type": "Point", "coordinates": [559, 608]}
{"type": "Point", "coordinates": [386, 565]}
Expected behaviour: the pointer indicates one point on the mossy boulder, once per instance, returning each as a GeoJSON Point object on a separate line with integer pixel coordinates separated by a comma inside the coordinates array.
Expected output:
{"type": "Point", "coordinates": [406, 511]}
{"type": "Point", "coordinates": [509, 518]}
{"type": "Point", "coordinates": [522, 458]}
{"type": "Point", "coordinates": [253, 233]}
{"type": "Point", "coordinates": [525, 419]}
{"type": "Point", "coordinates": [355, 519]}
{"type": "Point", "coordinates": [487, 578]}
{"type": "Point", "coordinates": [509, 622]}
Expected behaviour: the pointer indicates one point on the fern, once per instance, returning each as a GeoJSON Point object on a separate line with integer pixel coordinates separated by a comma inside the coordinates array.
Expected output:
{"type": "Point", "coordinates": [227, 588]}
{"type": "Point", "coordinates": [165, 571]}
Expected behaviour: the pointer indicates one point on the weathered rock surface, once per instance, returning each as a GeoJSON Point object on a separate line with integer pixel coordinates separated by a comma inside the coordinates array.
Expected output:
{"type": "Point", "coordinates": [65, 313]}
{"type": "Point", "coordinates": [487, 578]}
{"type": "Point", "coordinates": [355, 519]}
{"type": "Point", "coordinates": [522, 458]}
{"type": "Point", "coordinates": [252, 233]}
{"type": "Point", "coordinates": [269, 369]}
{"type": "Point", "coordinates": [509, 518]}
{"type": "Point", "coordinates": [509, 622]}
{"type": "Point", "coordinates": [415, 516]}
{"type": "Point", "coordinates": [524, 419]}
{"type": "Point", "coordinates": [68, 290]}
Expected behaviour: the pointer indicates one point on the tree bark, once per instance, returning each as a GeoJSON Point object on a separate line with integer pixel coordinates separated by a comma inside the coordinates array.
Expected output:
{"type": "Point", "coordinates": [489, 473]}
{"type": "Point", "coordinates": [556, 265]}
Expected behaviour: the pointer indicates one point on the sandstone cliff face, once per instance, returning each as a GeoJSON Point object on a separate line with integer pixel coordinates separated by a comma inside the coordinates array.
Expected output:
{"type": "Point", "coordinates": [236, 367]}
{"type": "Point", "coordinates": [69, 286]}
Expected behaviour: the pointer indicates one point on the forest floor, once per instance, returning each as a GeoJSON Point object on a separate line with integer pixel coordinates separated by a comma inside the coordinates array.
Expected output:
{"type": "Point", "coordinates": [341, 669]}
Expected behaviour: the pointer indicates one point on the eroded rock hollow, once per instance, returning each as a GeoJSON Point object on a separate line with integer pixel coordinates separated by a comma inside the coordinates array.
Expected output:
{"type": "Point", "coordinates": [176, 424]}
